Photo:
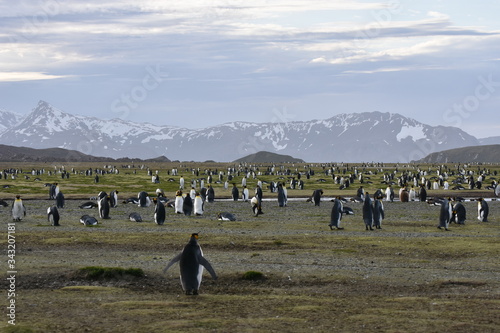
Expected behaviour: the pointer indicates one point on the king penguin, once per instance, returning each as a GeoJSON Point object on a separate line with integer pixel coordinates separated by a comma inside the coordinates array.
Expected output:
{"type": "Point", "coordinates": [160, 213]}
{"type": "Point", "coordinates": [135, 217]}
{"type": "Point", "coordinates": [60, 200]}
{"type": "Point", "coordinates": [445, 214]}
{"type": "Point", "coordinates": [336, 214]}
{"type": "Point", "coordinates": [198, 205]}
{"type": "Point", "coordinates": [187, 205]}
{"type": "Point", "coordinates": [179, 201]}
{"type": "Point", "coordinates": [378, 213]}
{"type": "Point", "coordinates": [144, 200]}
{"type": "Point", "coordinates": [88, 220]}
{"type": "Point", "coordinates": [459, 213]}
{"type": "Point", "coordinates": [113, 199]}
{"type": "Point", "coordinates": [103, 207]}
{"type": "Point", "coordinates": [482, 210]}
{"type": "Point", "coordinates": [53, 215]}
{"type": "Point", "coordinates": [191, 263]}
{"type": "Point", "coordinates": [368, 212]}
{"type": "Point", "coordinates": [18, 209]}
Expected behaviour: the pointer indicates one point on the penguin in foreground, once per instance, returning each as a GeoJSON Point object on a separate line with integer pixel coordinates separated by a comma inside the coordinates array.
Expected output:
{"type": "Point", "coordinates": [482, 210]}
{"type": "Point", "coordinates": [191, 263]}
{"type": "Point", "coordinates": [445, 215]}
{"type": "Point", "coordinates": [18, 209]}
{"type": "Point", "coordinates": [88, 220]}
{"type": "Point", "coordinates": [336, 214]}
{"type": "Point", "coordinates": [53, 216]}
{"type": "Point", "coordinates": [135, 217]}
{"type": "Point", "coordinates": [160, 212]}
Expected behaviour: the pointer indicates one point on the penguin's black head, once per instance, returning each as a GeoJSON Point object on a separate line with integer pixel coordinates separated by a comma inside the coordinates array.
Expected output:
{"type": "Point", "coordinates": [194, 236]}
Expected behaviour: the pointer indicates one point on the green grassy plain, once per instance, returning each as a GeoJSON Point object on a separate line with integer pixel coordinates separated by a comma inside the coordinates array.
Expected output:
{"type": "Point", "coordinates": [407, 277]}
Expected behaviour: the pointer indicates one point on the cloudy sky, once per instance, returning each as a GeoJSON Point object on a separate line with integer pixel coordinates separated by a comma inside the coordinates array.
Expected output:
{"type": "Point", "coordinates": [200, 63]}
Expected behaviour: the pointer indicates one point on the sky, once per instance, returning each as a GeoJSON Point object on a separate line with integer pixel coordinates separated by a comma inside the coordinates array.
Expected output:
{"type": "Point", "coordinates": [196, 64]}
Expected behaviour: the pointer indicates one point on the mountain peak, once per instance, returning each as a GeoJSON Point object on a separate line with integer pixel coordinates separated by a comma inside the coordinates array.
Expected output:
{"type": "Point", "coordinates": [348, 137]}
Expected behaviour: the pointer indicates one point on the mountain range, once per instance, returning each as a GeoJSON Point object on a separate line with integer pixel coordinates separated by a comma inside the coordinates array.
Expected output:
{"type": "Point", "coordinates": [356, 137]}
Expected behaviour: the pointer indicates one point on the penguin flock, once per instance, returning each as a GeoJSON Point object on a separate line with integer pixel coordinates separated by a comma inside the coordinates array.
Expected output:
{"type": "Point", "coordinates": [191, 260]}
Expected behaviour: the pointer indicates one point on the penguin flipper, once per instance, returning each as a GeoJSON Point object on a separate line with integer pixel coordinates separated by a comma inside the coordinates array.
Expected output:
{"type": "Point", "coordinates": [173, 261]}
{"type": "Point", "coordinates": [204, 262]}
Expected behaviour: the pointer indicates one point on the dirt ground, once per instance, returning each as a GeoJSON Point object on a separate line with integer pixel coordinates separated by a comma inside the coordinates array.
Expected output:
{"type": "Point", "coordinates": [407, 277]}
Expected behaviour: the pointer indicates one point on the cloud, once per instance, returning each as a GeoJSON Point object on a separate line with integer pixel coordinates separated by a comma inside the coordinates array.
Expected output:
{"type": "Point", "coordinates": [28, 76]}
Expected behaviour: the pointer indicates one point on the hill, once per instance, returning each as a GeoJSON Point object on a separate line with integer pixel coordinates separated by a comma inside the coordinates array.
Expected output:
{"type": "Point", "coordinates": [268, 157]}
{"type": "Point", "coordinates": [486, 154]}
{"type": "Point", "coordinates": [25, 154]}
{"type": "Point", "coordinates": [355, 137]}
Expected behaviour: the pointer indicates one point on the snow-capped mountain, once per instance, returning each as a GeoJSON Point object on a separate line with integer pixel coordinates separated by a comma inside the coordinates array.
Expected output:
{"type": "Point", "coordinates": [9, 119]}
{"type": "Point", "coordinates": [358, 137]}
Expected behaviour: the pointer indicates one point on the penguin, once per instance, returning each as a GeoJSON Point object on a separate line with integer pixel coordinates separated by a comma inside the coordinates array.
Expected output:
{"type": "Point", "coordinates": [497, 190]}
{"type": "Point", "coordinates": [368, 212]}
{"type": "Point", "coordinates": [482, 210]}
{"type": "Point", "coordinates": [135, 217]}
{"type": "Point", "coordinates": [235, 192]}
{"type": "Point", "coordinates": [60, 200]}
{"type": "Point", "coordinates": [53, 216]}
{"type": "Point", "coordinates": [88, 220]}
{"type": "Point", "coordinates": [159, 192]}
{"type": "Point", "coordinates": [179, 201]}
{"type": "Point", "coordinates": [348, 210]}
{"type": "Point", "coordinates": [445, 214]}
{"type": "Point", "coordinates": [255, 206]}
{"type": "Point", "coordinates": [103, 207]}
{"type": "Point", "coordinates": [412, 194]}
{"type": "Point", "coordinates": [403, 195]}
{"type": "Point", "coordinates": [144, 200]}
{"type": "Point", "coordinates": [53, 190]}
{"type": "Point", "coordinates": [18, 209]}
{"type": "Point", "coordinates": [113, 199]}
{"type": "Point", "coordinates": [3, 203]}
{"type": "Point", "coordinates": [336, 214]}
{"type": "Point", "coordinates": [187, 205]}
{"type": "Point", "coordinates": [101, 195]}
{"type": "Point", "coordinates": [198, 205]}
{"type": "Point", "coordinates": [134, 201]}
{"type": "Point", "coordinates": [191, 264]}
{"type": "Point", "coordinates": [225, 216]}
{"type": "Point", "coordinates": [422, 193]}
{"type": "Point", "coordinates": [88, 205]}
{"type": "Point", "coordinates": [317, 196]}
{"type": "Point", "coordinates": [389, 194]}
{"type": "Point", "coordinates": [210, 194]}
{"type": "Point", "coordinates": [160, 213]}
{"type": "Point", "coordinates": [244, 194]}
{"type": "Point", "coordinates": [281, 196]}
{"type": "Point", "coordinates": [459, 213]}
{"type": "Point", "coordinates": [378, 213]}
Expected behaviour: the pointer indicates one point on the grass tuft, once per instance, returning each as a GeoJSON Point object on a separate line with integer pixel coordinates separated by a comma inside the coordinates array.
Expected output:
{"type": "Point", "coordinates": [253, 276]}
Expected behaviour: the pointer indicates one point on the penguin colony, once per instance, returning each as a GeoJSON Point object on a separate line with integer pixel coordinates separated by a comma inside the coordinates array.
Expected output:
{"type": "Point", "coordinates": [191, 260]}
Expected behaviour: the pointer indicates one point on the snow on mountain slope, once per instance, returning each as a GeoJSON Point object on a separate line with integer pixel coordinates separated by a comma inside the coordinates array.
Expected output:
{"type": "Point", "coordinates": [356, 137]}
